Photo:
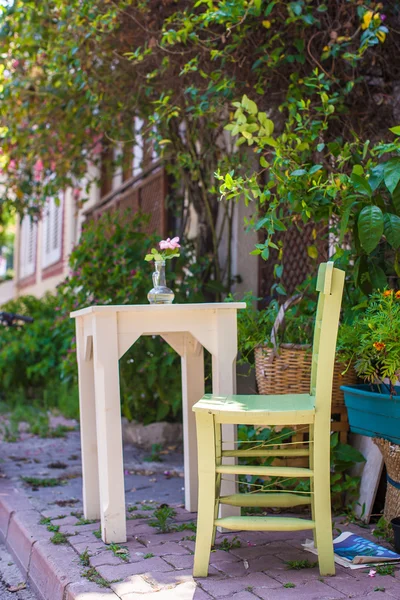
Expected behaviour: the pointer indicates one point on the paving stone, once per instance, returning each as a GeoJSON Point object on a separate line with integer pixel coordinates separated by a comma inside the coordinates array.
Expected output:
{"type": "Point", "coordinates": [86, 590]}
{"type": "Point", "coordinates": [105, 558]}
{"type": "Point", "coordinates": [243, 596]}
{"type": "Point", "coordinates": [134, 584]}
{"type": "Point", "coordinates": [274, 548]}
{"type": "Point", "coordinates": [51, 569]}
{"type": "Point", "coordinates": [124, 570]}
{"type": "Point", "coordinates": [170, 548]}
{"type": "Point", "coordinates": [184, 591]}
{"type": "Point", "coordinates": [295, 576]}
{"type": "Point", "coordinates": [315, 590]}
{"type": "Point", "coordinates": [23, 531]}
{"type": "Point", "coordinates": [227, 587]}
{"type": "Point", "coordinates": [11, 500]}
{"type": "Point", "coordinates": [64, 521]}
{"type": "Point", "coordinates": [201, 594]}
{"type": "Point", "coordinates": [361, 583]}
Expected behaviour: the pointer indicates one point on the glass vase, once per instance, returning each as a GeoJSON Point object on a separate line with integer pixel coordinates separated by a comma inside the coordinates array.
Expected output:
{"type": "Point", "coordinates": [160, 294]}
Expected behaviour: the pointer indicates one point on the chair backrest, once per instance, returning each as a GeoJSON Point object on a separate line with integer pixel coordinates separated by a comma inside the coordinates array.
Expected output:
{"type": "Point", "coordinates": [330, 283]}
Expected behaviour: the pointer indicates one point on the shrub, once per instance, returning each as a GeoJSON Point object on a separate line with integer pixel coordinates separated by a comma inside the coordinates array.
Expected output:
{"type": "Point", "coordinates": [30, 354]}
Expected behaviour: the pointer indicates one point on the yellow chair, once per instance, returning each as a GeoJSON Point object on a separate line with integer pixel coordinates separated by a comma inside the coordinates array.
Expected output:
{"type": "Point", "coordinates": [312, 410]}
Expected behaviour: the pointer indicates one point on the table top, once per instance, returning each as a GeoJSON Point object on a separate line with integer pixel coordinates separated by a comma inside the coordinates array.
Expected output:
{"type": "Point", "coordinates": [111, 308]}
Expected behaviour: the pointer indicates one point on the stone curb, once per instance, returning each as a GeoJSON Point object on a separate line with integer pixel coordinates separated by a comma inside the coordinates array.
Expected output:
{"type": "Point", "coordinates": [52, 571]}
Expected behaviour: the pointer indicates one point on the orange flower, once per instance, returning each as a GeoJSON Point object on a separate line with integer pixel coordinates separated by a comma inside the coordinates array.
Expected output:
{"type": "Point", "coordinates": [379, 346]}
{"type": "Point", "coordinates": [397, 294]}
{"type": "Point", "coordinates": [388, 293]}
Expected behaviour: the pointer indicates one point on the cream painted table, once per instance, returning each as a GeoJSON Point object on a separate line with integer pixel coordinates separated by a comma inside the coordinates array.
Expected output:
{"type": "Point", "coordinates": [104, 334]}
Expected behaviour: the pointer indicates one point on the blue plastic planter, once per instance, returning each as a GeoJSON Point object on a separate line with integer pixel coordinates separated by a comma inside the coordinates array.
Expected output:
{"type": "Point", "coordinates": [372, 412]}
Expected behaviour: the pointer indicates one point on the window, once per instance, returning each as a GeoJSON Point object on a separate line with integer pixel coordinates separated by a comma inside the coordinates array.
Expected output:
{"type": "Point", "coordinates": [137, 165]}
{"type": "Point", "coordinates": [52, 232]}
{"type": "Point", "coordinates": [27, 259]}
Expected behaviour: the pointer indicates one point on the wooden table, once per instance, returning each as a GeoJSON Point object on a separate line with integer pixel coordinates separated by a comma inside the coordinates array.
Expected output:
{"type": "Point", "coordinates": [104, 334]}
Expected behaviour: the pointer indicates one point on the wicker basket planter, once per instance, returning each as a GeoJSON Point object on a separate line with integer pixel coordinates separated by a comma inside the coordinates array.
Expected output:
{"type": "Point", "coordinates": [288, 371]}
{"type": "Point", "coordinates": [391, 456]}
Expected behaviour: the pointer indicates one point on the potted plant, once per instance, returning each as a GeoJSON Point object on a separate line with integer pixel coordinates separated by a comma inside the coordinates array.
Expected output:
{"type": "Point", "coordinates": [372, 344]}
{"type": "Point", "coordinates": [374, 407]}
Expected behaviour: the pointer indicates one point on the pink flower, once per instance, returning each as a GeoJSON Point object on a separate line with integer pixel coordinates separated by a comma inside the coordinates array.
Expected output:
{"type": "Point", "coordinates": [383, 17]}
{"type": "Point", "coordinates": [169, 244]}
{"type": "Point", "coordinates": [15, 63]}
{"type": "Point", "coordinates": [53, 165]}
{"type": "Point", "coordinates": [133, 272]}
{"type": "Point", "coordinates": [12, 164]}
{"type": "Point", "coordinates": [38, 166]}
{"type": "Point", "coordinates": [372, 573]}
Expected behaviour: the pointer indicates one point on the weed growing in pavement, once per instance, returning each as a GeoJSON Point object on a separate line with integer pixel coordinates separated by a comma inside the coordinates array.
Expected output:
{"type": "Point", "coordinates": [190, 526]}
{"type": "Point", "coordinates": [119, 551]}
{"type": "Point", "coordinates": [148, 555]}
{"type": "Point", "coordinates": [383, 531]}
{"type": "Point", "coordinates": [93, 575]}
{"type": "Point", "coordinates": [227, 544]}
{"type": "Point", "coordinates": [35, 482]}
{"type": "Point", "coordinates": [53, 528]}
{"type": "Point", "coordinates": [82, 521]}
{"type": "Point", "coordinates": [289, 585]}
{"type": "Point", "coordinates": [155, 454]}
{"type": "Point", "coordinates": [300, 564]}
{"type": "Point", "coordinates": [379, 589]}
{"type": "Point", "coordinates": [146, 507]}
{"type": "Point", "coordinates": [249, 588]}
{"type": "Point", "coordinates": [132, 508]}
{"type": "Point", "coordinates": [45, 521]}
{"type": "Point", "coordinates": [385, 570]}
{"type": "Point", "coordinates": [84, 558]}
{"type": "Point", "coordinates": [59, 538]}
{"type": "Point", "coordinates": [136, 516]}
{"type": "Point", "coordinates": [97, 533]}
{"type": "Point", "coordinates": [190, 538]}
{"type": "Point", "coordinates": [162, 519]}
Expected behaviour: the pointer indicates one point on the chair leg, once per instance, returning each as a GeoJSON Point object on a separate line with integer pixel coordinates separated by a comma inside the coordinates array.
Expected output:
{"type": "Point", "coordinates": [218, 460]}
{"type": "Point", "coordinates": [207, 492]}
{"type": "Point", "coordinates": [322, 504]}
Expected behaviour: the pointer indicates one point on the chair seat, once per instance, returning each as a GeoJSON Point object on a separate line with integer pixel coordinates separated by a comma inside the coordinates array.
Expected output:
{"type": "Point", "coordinates": [282, 409]}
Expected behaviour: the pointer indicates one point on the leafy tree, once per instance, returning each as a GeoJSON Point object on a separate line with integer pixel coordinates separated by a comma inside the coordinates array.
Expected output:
{"type": "Point", "coordinates": [76, 73]}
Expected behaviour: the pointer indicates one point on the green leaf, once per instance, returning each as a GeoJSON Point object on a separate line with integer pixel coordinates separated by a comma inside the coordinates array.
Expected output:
{"type": "Point", "coordinates": [376, 176]}
{"type": "Point", "coordinates": [298, 173]}
{"type": "Point", "coordinates": [249, 105]}
{"type": "Point", "coordinates": [392, 173]}
{"type": "Point", "coordinates": [358, 170]}
{"type": "Point", "coordinates": [395, 130]}
{"type": "Point", "coordinates": [361, 185]}
{"type": "Point", "coordinates": [320, 147]}
{"type": "Point", "coordinates": [377, 276]}
{"type": "Point", "coordinates": [391, 229]}
{"type": "Point", "coordinates": [370, 227]}
{"type": "Point", "coordinates": [314, 169]}
{"type": "Point", "coordinates": [396, 198]}
{"type": "Point", "coordinates": [312, 252]}
{"type": "Point", "coordinates": [149, 257]}
{"type": "Point", "coordinates": [347, 453]}
{"type": "Point", "coordinates": [263, 162]}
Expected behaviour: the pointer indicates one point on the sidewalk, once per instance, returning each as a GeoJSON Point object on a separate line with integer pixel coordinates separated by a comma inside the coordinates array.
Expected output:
{"type": "Point", "coordinates": [63, 558]}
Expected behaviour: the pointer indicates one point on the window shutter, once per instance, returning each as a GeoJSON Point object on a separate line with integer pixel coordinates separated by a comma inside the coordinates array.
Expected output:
{"type": "Point", "coordinates": [28, 237]}
{"type": "Point", "coordinates": [52, 232]}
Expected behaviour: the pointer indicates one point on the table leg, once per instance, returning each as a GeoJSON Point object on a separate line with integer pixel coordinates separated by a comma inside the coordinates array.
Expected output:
{"type": "Point", "coordinates": [192, 391]}
{"type": "Point", "coordinates": [224, 383]}
{"type": "Point", "coordinates": [109, 431]}
{"type": "Point", "coordinates": [87, 409]}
